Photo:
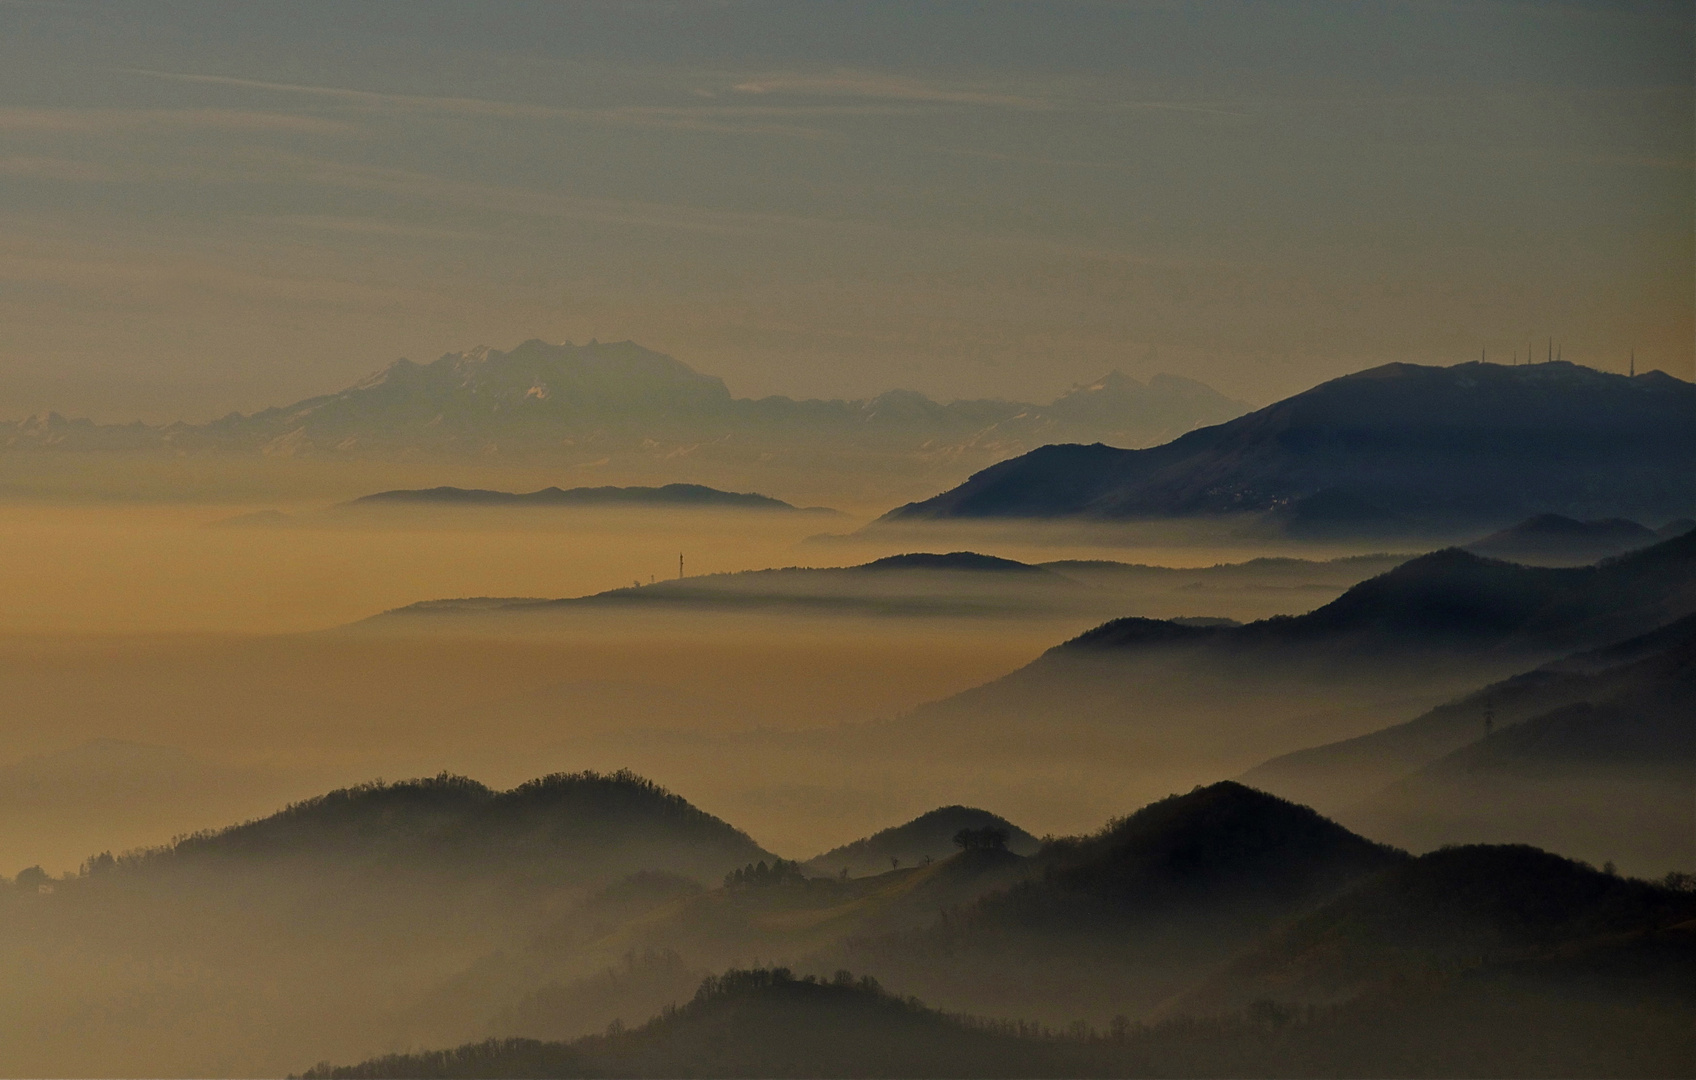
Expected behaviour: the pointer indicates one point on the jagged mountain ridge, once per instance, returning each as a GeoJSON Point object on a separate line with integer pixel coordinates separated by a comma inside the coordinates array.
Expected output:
{"type": "Point", "coordinates": [1441, 447]}
{"type": "Point", "coordinates": [551, 398]}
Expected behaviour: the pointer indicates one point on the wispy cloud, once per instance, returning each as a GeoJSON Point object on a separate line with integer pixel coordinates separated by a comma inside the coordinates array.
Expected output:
{"type": "Point", "coordinates": [706, 118]}
{"type": "Point", "coordinates": [23, 119]}
{"type": "Point", "coordinates": [895, 87]}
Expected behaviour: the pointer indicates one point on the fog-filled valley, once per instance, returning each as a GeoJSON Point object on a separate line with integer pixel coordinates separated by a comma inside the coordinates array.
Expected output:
{"type": "Point", "coordinates": [767, 539]}
{"type": "Point", "coordinates": [799, 699]}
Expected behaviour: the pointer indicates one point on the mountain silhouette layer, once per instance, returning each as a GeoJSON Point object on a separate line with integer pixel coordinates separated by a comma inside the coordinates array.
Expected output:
{"type": "Point", "coordinates": [668, 495]}
{"type": "Point", "coordinates": [1455, 908]}
{"type": "Point", "coordinates": [1173, 703]}
{"type": "Point", "coordinates": [928, 836]}
{"type": "Point", "coordinates": [958, 583]}
{"type": "Point", "coordinates": [1336, 775]}
{"type": "Point", "coordinates": [548, 400]}
{"type": "Point", "coordinates": [1550, 539]}
{"type": "Point", "coordinates": [1126, 917]}
{"type": "Point", "coordinates": [1401, 444]}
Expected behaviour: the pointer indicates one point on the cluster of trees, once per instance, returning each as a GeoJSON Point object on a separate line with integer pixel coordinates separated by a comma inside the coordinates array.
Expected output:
{"type": "Point", "coordinates": [988, 838]}
{"type": "Point", "coordinates": [780, 872]}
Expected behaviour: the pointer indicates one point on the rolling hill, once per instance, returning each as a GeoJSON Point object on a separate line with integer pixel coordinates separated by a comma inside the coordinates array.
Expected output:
{"type": "Point", "coordinates": [1458, 908]}
{"type": "Point", "coordinates": [328, 918]}
{"type": "Point", "coordinates": [1120, 920]}
{"type": "Point", "coordinates": [1553, 540]}
{"type": "Point", "coordinates": [1401, 447]}
{"type": "Point", "coordinates": [927, 837]}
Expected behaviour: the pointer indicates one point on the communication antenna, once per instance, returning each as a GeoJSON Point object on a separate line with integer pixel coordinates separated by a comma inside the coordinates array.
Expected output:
{"type": "Point", "coordinates": [1634, 362]}
{"type": "Point", "coordinates": [680, 566]}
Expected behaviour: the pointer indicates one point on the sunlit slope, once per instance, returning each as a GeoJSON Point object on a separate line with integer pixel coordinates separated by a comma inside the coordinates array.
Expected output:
{"type": "Point", "coordinates": [1399, 446]}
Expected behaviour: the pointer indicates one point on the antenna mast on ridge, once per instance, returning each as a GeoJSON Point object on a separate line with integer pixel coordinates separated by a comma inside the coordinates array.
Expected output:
{"type": "Point", "coordinates": [680, 566]}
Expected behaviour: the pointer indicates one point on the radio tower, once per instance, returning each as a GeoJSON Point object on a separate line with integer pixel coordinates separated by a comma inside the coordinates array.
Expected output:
{"type": "Point", "coordinates": [680, 566]}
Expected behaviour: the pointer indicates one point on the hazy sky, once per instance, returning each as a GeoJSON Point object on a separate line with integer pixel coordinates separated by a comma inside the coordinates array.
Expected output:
{"type": "Point", "coordinates": [206, 207]}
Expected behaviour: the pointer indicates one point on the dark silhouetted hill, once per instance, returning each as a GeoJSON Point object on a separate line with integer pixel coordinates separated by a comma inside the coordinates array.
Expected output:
{"type": "Point", "coordinates": [1445, 448]}
{"type": "Point", "coordinates": [953, 560]}
{"type": "Point", "coordinates": [565, 827]}
{"type": "Point", "coordinates": [1451, 910]}
{"type": "Point", "coordinates": [761, 1023]}
{"type": "Point", "coordinates": [1515, 1021]}
{"type": "Point", "coordinates": [332, 919]}
{"type": "Point", "coordinates": [1553, 540]}
{"type": "Point", "coordinates": [929, 836]}
{"type": "Point", "coordinates": [1120, 920]}
{"type": "Point", "coordinates": [671, 496]}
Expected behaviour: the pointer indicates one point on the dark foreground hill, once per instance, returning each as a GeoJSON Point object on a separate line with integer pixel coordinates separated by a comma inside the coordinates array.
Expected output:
{"type": "Point", "coordinates": [1176, 704]}
{"type": "Point", "coordinates": [1397, 447]}
{"type": "Point", "coordinates": [326, 918]}
{"type": "Point", "coordinates": [669, 496]}
{"type": "Point", "coordinates": [1518, 1020]}
{"type": "Point", "coordinates": [1120, 920]}
{"type": "Point", "coordinates": [1455, 909]}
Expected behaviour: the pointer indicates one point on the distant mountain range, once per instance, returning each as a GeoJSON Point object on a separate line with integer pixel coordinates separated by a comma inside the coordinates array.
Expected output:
{"type": "Point", "coordinates": [560, 402]}
{"type": "Point", "coordinates": [669, 496]}
{"type": "Point", "coordinates": [1397, 449]}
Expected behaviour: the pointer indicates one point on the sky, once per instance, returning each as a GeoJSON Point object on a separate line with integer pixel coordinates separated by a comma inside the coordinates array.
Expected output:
{"type": "Point", "coordinates": [208, 207]}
